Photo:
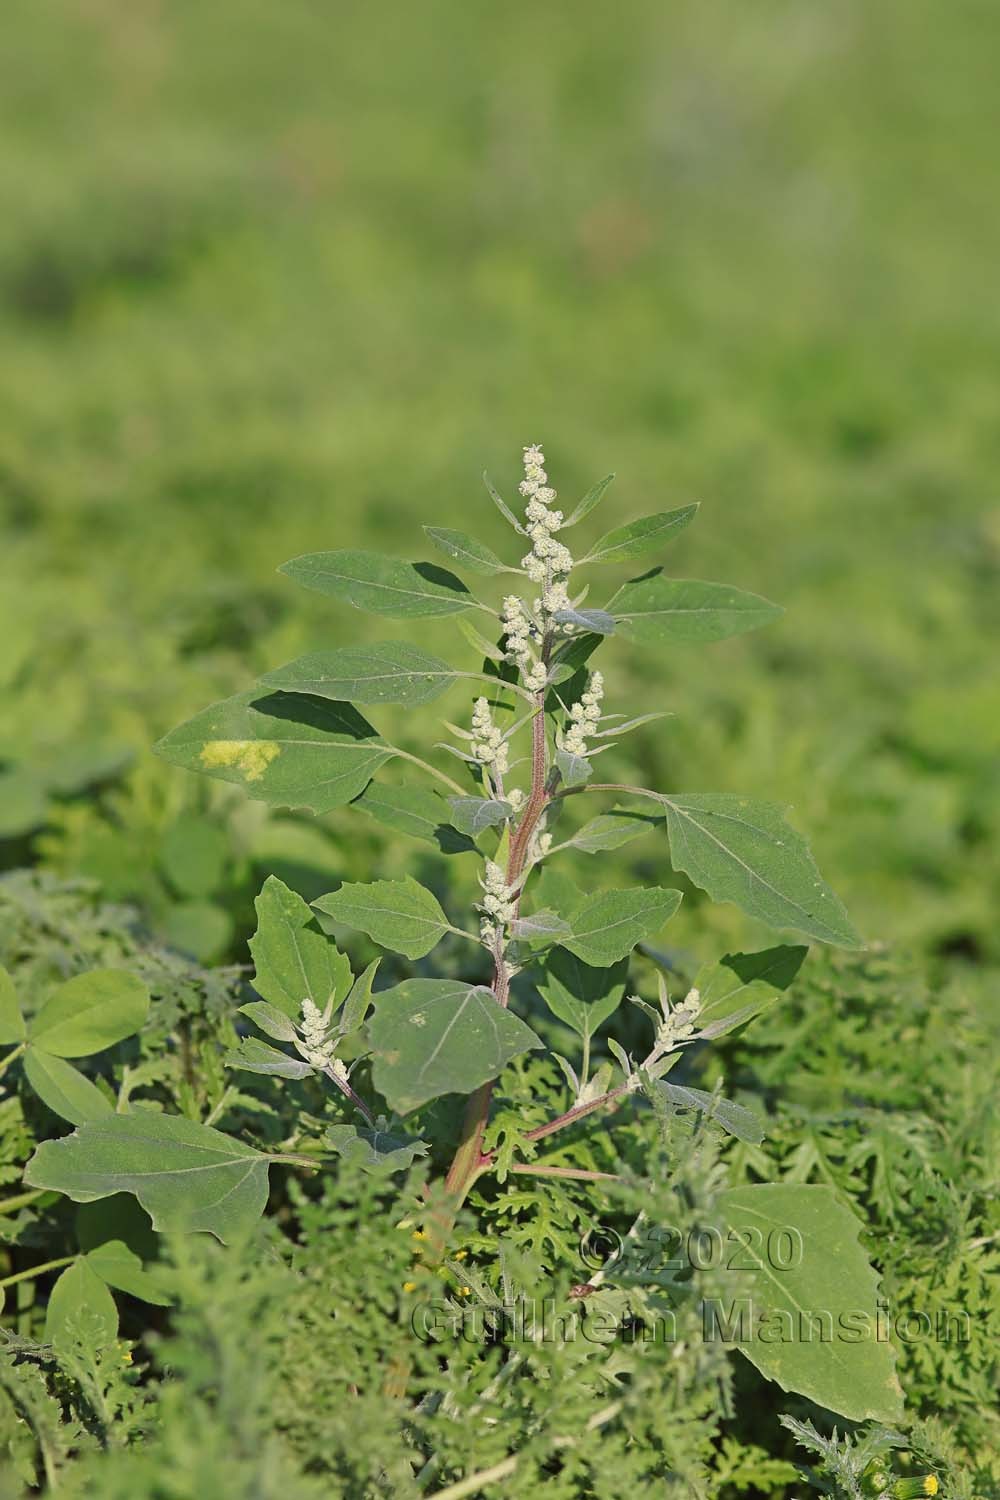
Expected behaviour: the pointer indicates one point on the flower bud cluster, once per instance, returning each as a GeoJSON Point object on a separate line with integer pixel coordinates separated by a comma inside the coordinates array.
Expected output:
{"type": "Point", "coordinates": [678, 1026]}
{"type": "Point", "coordinates": [488, 744]}
{"type": "Point", "coordinates": [499, 903]}
{"type": "Point", "coordinates": [549, 562]}
{"type": "Point", "coordinates": [585, 716]}
{"type": "Point", "coordinates": [521, 632]}
{"type": "Point", "coordinates": [314, 1028]}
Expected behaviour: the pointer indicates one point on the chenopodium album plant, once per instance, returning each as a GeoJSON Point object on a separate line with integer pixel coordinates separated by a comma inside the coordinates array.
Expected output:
{"type": "Point", "coordinates": [298, 740]}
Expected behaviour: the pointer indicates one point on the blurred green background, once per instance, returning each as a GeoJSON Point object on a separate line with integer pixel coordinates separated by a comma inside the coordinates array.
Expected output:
{"type": "Point", "coordinates": [276, 278]}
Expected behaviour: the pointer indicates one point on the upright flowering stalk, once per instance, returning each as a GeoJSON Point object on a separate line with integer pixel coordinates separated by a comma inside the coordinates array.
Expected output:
{"type": "Point", "coordinates": [300, 738]}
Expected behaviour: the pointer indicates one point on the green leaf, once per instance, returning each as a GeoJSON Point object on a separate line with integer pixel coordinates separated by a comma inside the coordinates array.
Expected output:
{"type": "Point", "coordinates": [375, 1149]}
{"type": "Point", "coordinates": [255, 1056]}
{"type": "Point", "coordinates": [90, 1012]}
{"type": "Point", "coordinates": [200, 929]}
{"type": "Point", "coordinates": [272, 1021]}
{"type": "Point", "coordinates": [540, 926]}
{"type": "Point", "coordinates": [293, 958]}
{"type": "Point", "coordinates": [397, 914]}
{"type": "Point", "coordinates": [282, 748]}
{"type": "Point", "coordinates": [593, 497]}
{"type": "Point", "coordinates": [638, 537]}
{"type": "Point", "coordinates": [609, 924]}
{"type": "Point", "coordinates": [734, 1119]}
{"type": "Point", "coordinates": [440, 1036]}
{"type": "Point", "coordinates": [742, 985]}
{"type": "Point", "coordinates": [597, 621]}
{"type": "Point", "coordinates": [12, 1027]}
{"type": "Point", "coordinates": [394, 672]}
{"type": "Point", "coordinates": [467, 552]}
{"type": "Point", "coordinates": [743, 851]}
{"type": "Point", "coordinates": [582, 997]}
{"type": "Point", "coordinates": [382, 585]}
{"type": "Point", "coordinates": [64, 1088]}
{"type": "Point", "coordinates": [654, 608]}
{"type": "Point", "coordinates": [575, 770]}
{"type": "Point", "coordinates": [24, 805]}
{"type": "Point", "coordinates": [194, 854]}
{"type": "Point", "coordinates": [187, 1176]}
{"type": "Point", "coordinates": [120, 1267]}
{"type": "Point", "coordinates": [504, 510]}
{"type": "Point", "coordinates": [830, 1285]}
{"type": "Point", "coordinates": [610, 831]}
{"type": "Point", "coordinates": [473, 815]}
{"type": "Point", "coordinates": [358, 1002]}
{"type": "Point", "coordinates": [421, 814]}
{"type": "Point", "coordinates": [81, 1309]}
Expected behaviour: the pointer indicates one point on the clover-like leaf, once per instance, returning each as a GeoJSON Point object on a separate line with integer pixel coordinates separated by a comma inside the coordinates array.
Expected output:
{"type": "Point", "coordinates": [382, 585]}
{"type": "Point", "coordinates": [12, 1027]}
{"type": "Point", "coordinates": [294, 959]}
{"type": "Point", "coordinates": [655, 608]}
{"type": "Point", "coordinates": [398, 914]}
{"type": "Point", "coordinates": [187, 1176]}
{"type": "Point", "coordinates": [393, 672]}
{"type": "Point", "coordinates": [441, 1036]}
{"type": "Point", "coordinates": [90, 1012]}
{"type": "Point", "coordinates": [66, 1091]}
{"type": "Point", "coordinates": [286, 749]}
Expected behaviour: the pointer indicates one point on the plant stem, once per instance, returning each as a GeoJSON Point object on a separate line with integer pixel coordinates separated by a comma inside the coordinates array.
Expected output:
{"type": "Point", "coordinates": [529, 1168]}
{"type": "Point", "coordinates": [579, 1112]}
{"type": "Point", "coordinates": [32, 1271]}
{"type": "Point", "coordinates": [432, 770]}
{"type": "Point", "coordinates": [6, 1062]}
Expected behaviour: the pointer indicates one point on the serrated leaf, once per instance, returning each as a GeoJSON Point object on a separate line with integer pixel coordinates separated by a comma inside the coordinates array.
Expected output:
{"type": "Point", "coordinates": [581, 996]}
{"type": "Point", "coordinates": [382, 585]}
{"type": "Point", "coordinates": [398, 914]}
{"type": "Point", "coordinates": [742, 985]}
{"type": "Point", "coordinates": [638, 537]}
{"type": "Point", "coordinates": [373, 1149]}
{"type": "Point", "coordinates": [734, 1119]}
{"type": "Point", "coordinates": [597, 621]}
{"type": "Point", "coordinates": [90, 1012]}
{"type": "Point", "coordinates": [441, 1036]}
{"type": "Point", "coordinates": [358, 1002]}
{"type": "Point", "coordinates": [473, 815]}
{"type": "Point", "coordinates": [655, 608]}
{"type": "Point", "coordinates": [789, 1308]}
{"type": "Point", "coordinates": [593, 497]}
{"type": "Point", "coordinates": [121, 1268]}
{"type": "Point", "coordinates": [272, 1021]}
{"type": "Point", "coordinates": [413, 810]}
{"type": "Point", "coordinates": [282, 748]}
{"type": "Point", "coordinates": [608, 925]}
{"type": "Point", "coordinates": [12, 1027]}
{"type": "Point", "coordinates": [64, 1088]}
{"type": "Point", "coordinates": [81, 1310]}
{"type": "Point", "coordinates": [293, 958]}
{"type": "Point", "coordinates": [255, 1056]}
{"type": "Point", "coordinates": [610, 831]}
{"type": "Point", "coordinates": [743, 851]}
{"type": "Point", "coordinates": [394, 672]}
{"type": "Point", "coordinates": [187, 1176]}
{"type": "Point", "coordinates": [467, 552]}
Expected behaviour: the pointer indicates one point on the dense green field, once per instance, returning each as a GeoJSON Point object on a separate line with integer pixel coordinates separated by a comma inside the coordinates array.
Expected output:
{"type": "Point", "coordinates": [282, 278]}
